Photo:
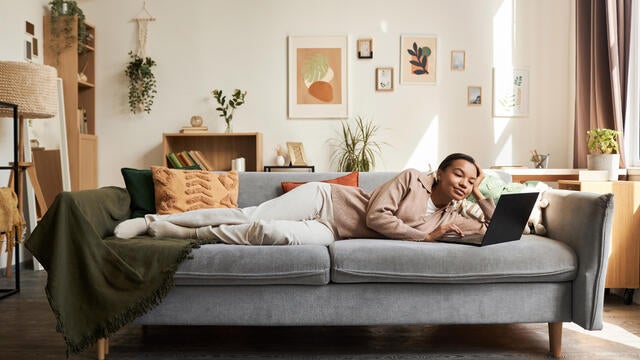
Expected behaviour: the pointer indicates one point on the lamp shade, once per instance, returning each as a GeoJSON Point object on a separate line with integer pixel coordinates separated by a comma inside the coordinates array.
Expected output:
{"type": "Point", "coordinates": [30, 86]}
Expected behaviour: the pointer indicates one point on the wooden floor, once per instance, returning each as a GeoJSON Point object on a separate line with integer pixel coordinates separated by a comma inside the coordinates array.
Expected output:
{"type": "Point", "coordinates": [28, 332]}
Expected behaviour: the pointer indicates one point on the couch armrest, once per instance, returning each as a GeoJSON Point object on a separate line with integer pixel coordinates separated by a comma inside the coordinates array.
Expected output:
{"type": "Point", "coordinates": [583, 221]}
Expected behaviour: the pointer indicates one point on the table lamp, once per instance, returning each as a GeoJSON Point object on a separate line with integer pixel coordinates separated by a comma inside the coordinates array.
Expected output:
{"type": "Point", "coordinates": [33, 88]}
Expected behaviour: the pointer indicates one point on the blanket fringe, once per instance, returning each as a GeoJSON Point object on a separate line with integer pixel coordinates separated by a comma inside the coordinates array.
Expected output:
{"type": "Point", "coordinates": [134, 311]}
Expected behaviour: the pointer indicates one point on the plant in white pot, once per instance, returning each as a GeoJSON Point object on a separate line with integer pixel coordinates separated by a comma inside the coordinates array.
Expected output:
{"type": "Point", "coordinates": [603, 151]}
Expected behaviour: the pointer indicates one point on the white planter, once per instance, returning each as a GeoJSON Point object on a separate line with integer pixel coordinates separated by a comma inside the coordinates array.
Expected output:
{"type": "Point", "coordinates": [609, 162]}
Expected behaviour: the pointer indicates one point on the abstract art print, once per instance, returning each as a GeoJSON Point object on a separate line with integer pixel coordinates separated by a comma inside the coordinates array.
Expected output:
{"type": "Point", "coordinates": [418, 59]}
{"type": "Point", "coordinates": [510, 92]}
{"type": "Point", "coordinates": [318, 77]}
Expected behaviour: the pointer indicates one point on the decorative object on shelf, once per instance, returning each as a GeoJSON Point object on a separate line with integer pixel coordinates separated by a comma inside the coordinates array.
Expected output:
{"type": "Point", "coordinates": [238, 164]}
{"type": "Point", "coordinates": [365, 48]}
{"type": "Point", "coordinates": [356, 149]}
{"type": "Point", "coordinates": [318, 77]}
{"type": "Point", "coordinates": [458, 58]}
{"type": "Point", "coordinates": [418, 59]}
{"type": "Point", "coordinates": [142, 81]}
{"type": "Point", "coordinates": [510, 92]}
{"type": "Point", "coordinates": [296, 154]}
{"type": "Point", "coordinates": [62, 13]}
{"type": "Point", "coordinates": [279, 155]}
{"type": "Point", "coordinates": [384, 79]}
{"type": "Point", "coordinates": [539, 161]}
{"type": "Point", "coordinates": [603, 151]}
{"type": "Point", "coordinates": [196, 121]}
{"type": "Point", "coordinates": [227, 108]}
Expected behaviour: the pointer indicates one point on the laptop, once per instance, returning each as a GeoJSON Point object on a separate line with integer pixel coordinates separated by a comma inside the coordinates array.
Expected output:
{"type": "Point", "coordinates": [508, 221]}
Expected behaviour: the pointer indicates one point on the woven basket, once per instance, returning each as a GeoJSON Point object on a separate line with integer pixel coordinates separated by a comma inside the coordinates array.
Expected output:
{"type": "Point", "coordinates": [30, 86]}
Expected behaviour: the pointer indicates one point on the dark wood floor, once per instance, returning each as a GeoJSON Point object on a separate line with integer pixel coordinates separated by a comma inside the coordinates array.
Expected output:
{"type": "Point", "coordinates": [28, 332]}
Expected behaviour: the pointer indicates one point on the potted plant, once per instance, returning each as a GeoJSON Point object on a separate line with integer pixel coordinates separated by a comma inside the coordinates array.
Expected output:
{"type": "Point", "coordinates": [356, 148]}
{"type": "Point", "coordinates": [603, 151]}
{"type": "Point", "coordinates": [142, 83]}
{"type": "Point", "coordinates": [62, 13]}
{"type": "Point", "coordinates": [227, 108]}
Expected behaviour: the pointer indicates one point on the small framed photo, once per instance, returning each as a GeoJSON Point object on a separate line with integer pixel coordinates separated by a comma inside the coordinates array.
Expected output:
{"type": "Point", "coordinates": [365, 48]}
{"type": "Point", "coordinates": [296, 154]}
{"type": "Point", "coordinates": [28, 50]}
{"type": "Point", "coordinates": [458, 60]}
{"type": "Point", "coordinates": [384, 79]}
{"type": "Point", "coordinates": [474, 95]}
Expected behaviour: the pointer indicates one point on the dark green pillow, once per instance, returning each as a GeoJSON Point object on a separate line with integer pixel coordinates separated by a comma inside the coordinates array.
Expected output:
{"type": "Point", "coordinates": [139, 184]}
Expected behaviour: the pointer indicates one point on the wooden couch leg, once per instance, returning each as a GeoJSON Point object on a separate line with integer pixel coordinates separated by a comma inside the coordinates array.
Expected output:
{"type": "Point", "coordinates": [102, 347]}
{"type": "Point", "coordinates": [555, 338]}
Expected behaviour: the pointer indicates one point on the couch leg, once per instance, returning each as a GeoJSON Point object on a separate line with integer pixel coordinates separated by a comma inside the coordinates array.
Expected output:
{"type": "Point", "coordinates": [103, 347]}
{"type": "Point", "coordinates": [555, 338]}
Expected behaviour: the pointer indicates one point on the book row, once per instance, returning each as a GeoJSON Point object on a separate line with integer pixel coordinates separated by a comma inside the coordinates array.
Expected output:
{"type": "Point", "coordinates": [191, 159]}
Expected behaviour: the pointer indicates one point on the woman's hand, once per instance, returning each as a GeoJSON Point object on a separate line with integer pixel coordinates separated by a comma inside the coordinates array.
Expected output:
{"type": "Point", "coordinates": [476, 185]}
{"type": "Point", "coordinates": [443, 229]}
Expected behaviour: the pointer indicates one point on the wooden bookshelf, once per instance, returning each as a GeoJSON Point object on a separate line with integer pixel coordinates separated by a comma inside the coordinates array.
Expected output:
{"type": "Point", "coordinates": [82, 142]}
{"type": "Point", "coordinates": [218, 148]}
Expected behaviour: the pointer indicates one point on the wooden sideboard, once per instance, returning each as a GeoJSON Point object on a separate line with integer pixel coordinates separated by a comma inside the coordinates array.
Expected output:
{"type": "Point", "coordinates": [550, 175]}
{"type": "Point", "coordinates": [624, 258]}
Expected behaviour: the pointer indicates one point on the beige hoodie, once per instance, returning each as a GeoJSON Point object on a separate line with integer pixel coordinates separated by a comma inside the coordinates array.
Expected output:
{"type": "Point", "coordinates": [397, 210]}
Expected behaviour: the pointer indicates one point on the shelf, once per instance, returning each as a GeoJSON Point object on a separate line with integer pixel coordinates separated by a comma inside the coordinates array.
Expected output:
{"type": "Point", "coordinates": [218, 148]}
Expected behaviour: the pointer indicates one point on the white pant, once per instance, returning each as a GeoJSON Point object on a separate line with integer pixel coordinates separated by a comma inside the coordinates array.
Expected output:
{"type": "Point", "coordinates": [304, 215]}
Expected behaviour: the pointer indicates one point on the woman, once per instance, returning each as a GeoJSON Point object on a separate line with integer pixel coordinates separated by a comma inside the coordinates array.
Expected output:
{"type": "Point", "coordinates": [411, 206]}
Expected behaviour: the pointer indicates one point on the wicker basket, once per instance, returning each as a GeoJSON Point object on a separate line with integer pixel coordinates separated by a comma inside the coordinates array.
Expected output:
{"type": "Point", "coordinates": [30, 86]}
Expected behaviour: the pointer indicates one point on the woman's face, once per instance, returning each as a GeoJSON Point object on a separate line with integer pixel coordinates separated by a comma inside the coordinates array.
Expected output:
{"type": "Point", "coordinates": [456, 181]}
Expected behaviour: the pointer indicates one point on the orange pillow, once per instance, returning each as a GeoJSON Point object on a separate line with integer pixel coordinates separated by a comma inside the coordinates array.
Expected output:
{"type": "Point", "coordinates": [184, 190]}
{"type": "Point", "coordinates": [349, 180]}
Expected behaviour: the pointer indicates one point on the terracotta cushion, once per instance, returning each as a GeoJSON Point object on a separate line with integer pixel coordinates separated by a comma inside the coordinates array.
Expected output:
{"type": "Point", "coordinates": [349, 180]}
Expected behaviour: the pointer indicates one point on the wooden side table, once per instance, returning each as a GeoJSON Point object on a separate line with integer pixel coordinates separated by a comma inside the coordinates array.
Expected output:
{"type": "Point", "coordinates": [623, 270]}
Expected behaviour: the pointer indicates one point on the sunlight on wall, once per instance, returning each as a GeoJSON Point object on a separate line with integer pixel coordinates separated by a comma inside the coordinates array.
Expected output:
{"type": "Point", "coordinates": [426, 151]}
{"type": "Point", "coordinates": [384, 26]}
{"type": "Point", "coordinates": [503, 39]}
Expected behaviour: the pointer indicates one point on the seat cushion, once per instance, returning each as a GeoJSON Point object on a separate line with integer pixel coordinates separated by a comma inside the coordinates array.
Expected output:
{"type": "Point", "coordinates": [221, 264]}
{"type": "Point", "coordinates": [531, 259]}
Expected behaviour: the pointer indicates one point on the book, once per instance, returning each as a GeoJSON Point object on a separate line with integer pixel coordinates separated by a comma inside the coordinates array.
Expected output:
{"type": "Point", "coordinates": [203, 159]}
{"type": "Point", "coordinates": [194, 129]}
{"type": "Point", "coordinates": [173, 161]}
{"type": "Point", "coordinates": [195, 159]}
{"type": "Point", "coordinates": [183, 159]}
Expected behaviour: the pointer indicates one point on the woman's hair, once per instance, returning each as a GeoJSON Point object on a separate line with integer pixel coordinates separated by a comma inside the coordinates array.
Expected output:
{"type": "Point", "coordinates": [453, 157]}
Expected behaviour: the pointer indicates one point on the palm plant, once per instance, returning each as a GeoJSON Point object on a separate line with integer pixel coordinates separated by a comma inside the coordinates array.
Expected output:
{"type": "Point", "coordinates": [356, 148]}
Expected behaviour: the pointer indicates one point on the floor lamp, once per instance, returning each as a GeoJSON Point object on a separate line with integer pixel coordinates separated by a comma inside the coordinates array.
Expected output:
{"type": "Point", "coordinates": [32, 87]}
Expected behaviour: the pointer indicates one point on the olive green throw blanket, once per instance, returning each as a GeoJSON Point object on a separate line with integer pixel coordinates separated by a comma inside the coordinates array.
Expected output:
{"type": "Point", "coordinates": [96, 284]}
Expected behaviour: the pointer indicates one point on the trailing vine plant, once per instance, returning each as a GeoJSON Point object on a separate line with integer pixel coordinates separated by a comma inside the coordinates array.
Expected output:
{"type": "Point", "coordinates": [142, 83]}
{"type": "Point", "coordinates": [62, 13]}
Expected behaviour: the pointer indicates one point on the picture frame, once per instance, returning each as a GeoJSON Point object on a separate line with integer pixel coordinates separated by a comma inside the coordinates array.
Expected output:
{"type": "Point", "coordinates": [317, 77]}
{"type": "Point", "coordinates": [28, 50]}
{"type": "Point", "coordinates": [458, 60]}
{"type": "Point", "coordinates": [474, 95]}
{"type": "Point", "coordinates": [365, 48]}
{"type": "Point", "coordinates": [416, 67]}
{"type": "Point", "coordinates": [384, 79]}
{"type": "Point", "coordinates": [296, 154]}
{"type": "Point", "coordinates": [510, 92]}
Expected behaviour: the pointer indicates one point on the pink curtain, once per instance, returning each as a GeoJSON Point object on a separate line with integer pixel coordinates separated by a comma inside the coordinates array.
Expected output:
{"type": "Point", "coordinates": [602, 62]}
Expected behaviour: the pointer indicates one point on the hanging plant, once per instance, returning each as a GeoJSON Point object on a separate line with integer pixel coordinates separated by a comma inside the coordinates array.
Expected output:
{"type": "Point", "coordinates": [142, 83]}
{"type": "Point", "coordinates": [62, 13]}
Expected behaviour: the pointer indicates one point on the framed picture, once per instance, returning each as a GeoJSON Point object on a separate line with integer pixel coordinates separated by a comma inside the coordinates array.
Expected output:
{"type": "Point", "coordinates": [458, 60]}
{"type": "Point", "coordinates": [418, 59]}
{"type": "Point", "coordinates": [365, 48]}
{"type": "Point", "coordinates": [384, 79]}
{"type": "Point", "coordinates": [474, 95]}
{"type": "Point", "coordinates": [27, 50]}
{"type": "Point", "coordinates": [318, 77]}
{"type": "Point", "coordinates": [510, 92]}
{"type": "Point", "coordinates": [296, 154]}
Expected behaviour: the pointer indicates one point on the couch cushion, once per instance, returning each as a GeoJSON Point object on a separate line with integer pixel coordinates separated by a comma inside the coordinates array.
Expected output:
{"type": "Point", "coordinates": [222, 264]}
{"type": "Point", "coordinates": [532, 259]}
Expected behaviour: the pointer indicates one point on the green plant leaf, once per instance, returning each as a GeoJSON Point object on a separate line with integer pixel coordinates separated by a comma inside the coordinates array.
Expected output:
{"type": "Point", "coordinates": [315, 67]}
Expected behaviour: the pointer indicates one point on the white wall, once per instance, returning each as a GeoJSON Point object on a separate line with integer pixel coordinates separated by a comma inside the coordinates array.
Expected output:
{"type": "Point", "coordinates": [204, 44]}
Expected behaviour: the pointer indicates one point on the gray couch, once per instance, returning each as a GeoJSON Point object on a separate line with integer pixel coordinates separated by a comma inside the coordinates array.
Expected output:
{"type": "Point", "coordinates": [554, 279]}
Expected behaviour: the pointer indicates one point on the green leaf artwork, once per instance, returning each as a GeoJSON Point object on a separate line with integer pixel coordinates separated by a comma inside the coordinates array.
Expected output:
{"type": "Point", "coordinates": [315, 67]}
